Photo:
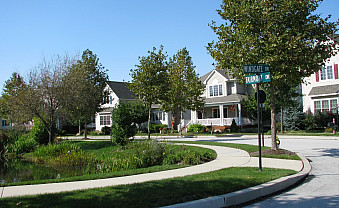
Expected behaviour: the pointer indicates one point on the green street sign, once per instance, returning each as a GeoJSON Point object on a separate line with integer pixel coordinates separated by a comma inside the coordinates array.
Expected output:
{"type": "Point", "coordinates": [256, 68]}
{"type": "Point", "coordinates": [253, 79]}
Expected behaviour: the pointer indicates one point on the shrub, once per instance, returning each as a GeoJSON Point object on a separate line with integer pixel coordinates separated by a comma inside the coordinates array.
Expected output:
{"type": "Point", "coordinates": [157, 127]}
{"type": "Point", "coordinates": [234, 127]}
{"type": "Point", "coordinates": [309, 121]}
{"type": "Point", "coordinates": [4, 139]}
{"type": "Point", "coordinates": [63, 154]}
{"type": "Point", "coordinates": [196, 128]}
{"type": "Point", "coordinates": [329, 130]}
{"type": "Point", "coordinates": [39, 132]}
{"type": "Point", "coordinates": [24, 144]}
{"type": "Point", "coordinates": [106, 130]}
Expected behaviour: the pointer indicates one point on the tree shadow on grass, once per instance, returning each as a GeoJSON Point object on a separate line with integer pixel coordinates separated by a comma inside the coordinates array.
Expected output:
{"type": "Point", "coordinates": [150, 194]}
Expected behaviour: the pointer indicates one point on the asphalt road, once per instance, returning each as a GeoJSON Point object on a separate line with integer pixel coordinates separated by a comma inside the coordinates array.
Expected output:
{"type": "Point", "coordinates": [321, 188]}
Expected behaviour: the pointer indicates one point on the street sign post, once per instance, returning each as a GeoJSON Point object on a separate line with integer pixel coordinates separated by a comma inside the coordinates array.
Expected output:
{"type": "Point", "coordinates": [259, 73]}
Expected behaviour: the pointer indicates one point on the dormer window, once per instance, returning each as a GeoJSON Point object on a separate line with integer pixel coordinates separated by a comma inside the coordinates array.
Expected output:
{"type": "Point", "coordinates": [215, 90]}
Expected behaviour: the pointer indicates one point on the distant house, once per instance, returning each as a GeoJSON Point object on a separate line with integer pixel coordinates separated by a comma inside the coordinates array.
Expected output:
{"type": "Point", "coordinates": [223, 95]}
{"type": "Point", "coordinates": [117, 91]}
{"type": "Point", "coordinates": [321, 90]}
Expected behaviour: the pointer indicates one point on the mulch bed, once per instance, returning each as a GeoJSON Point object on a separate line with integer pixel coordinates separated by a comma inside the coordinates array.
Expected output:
{"type": "Point", "coordinates": [273, 152]}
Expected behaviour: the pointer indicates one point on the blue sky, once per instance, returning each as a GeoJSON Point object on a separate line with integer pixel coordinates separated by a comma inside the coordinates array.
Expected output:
{"type": "Point", "coordinates": [117, 31]}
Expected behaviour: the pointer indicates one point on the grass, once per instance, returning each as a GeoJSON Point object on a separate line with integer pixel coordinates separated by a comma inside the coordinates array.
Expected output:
{"type": "Point", "coordinates": [246, 147]}
{"type": "Point", "coordinates": [155, 193]}
{"type": "Point", "coordinates": [101, 150]}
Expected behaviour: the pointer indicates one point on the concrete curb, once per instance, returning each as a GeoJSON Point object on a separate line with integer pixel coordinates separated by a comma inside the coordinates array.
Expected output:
{"type": "Point", "coordinates": [249, 194]}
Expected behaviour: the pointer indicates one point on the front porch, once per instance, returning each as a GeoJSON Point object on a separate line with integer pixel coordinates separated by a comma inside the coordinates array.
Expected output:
{"type": "Point", "coordinates": [221, 115]}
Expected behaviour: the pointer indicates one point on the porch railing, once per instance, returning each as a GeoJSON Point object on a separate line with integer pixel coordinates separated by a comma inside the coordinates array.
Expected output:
{"type": "Point", "coordinates": [226, 121]}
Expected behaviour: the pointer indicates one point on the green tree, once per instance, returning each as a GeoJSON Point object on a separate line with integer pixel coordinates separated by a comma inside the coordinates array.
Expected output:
{"type": "Point", "coordinates": [86, 82]}
{"type": "Point", "coordinates": [13, 97]}
{"type": "Point", "coordinates": [125, 117]}
{"type": "Point", "coordinates": [284, 34]}
{"type": "Point", "coordinates": [184, 87]}
{"type": "Point", "coordinates": [149, 80]}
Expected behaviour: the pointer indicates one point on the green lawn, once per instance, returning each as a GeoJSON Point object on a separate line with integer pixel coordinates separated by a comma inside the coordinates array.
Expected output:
{"type": "Point", "coordinates": [156, 193]}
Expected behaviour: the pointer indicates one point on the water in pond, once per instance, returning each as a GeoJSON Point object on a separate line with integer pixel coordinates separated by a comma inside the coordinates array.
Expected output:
{"type": "Point", "coordinates": [16, 170]}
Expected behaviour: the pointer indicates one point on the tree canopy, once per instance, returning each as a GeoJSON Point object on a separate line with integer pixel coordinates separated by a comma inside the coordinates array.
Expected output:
{"type": "Point", "coordinates": [285, 34]}
{"type": "Point", "coordinates": [149, 79]}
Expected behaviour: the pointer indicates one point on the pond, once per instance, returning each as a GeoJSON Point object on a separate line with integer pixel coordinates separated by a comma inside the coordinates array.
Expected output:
{"type": "Point", "coordinates": [17, 170]}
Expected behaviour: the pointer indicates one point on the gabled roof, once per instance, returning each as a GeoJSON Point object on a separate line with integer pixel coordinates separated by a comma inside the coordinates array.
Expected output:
{"type": "Point", "coordinates": [225, 73]}
{"type": "Point", "coordinates": [121, 90]}
{"type": "Point", "coordinates": [324, 90]}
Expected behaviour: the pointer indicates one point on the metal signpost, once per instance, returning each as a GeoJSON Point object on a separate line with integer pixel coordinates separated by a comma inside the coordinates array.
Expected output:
{"type": "Point", "coordinates": [259, 73]}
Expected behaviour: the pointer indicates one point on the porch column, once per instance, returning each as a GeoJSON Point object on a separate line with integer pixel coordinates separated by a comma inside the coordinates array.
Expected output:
{"type": "Point", "coordinates": [239, 113]}
{"type": "Point", "coordinates": [221, 110]}
{"type": "Point", "coordinates": [194, 116]}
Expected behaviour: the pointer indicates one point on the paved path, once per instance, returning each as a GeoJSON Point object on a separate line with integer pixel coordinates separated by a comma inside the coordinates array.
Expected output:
{"type": "Point", "coordinates": [227, 157]}
{"type": "Point", "coordinates": [321, 189]}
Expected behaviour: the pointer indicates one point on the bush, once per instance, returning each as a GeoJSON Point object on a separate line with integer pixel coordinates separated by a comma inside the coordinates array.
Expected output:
{"type": "Point", "coordinates": [234, 127]}
{"type": "Point", "coordinates": [309, 121]}
{"type": "Point", "coordinates": [106, 130]}
{"type": "Point", "coordinates": [24, 144]}
{"type": "Point", "coordinates": [157, 127]}
{"type": "Point", "coordinates": [4, 139]}
{"type": "Point", "coordinates": [39, 132]}
{"type": "Point", "coordinates": [196, 128]}
{"type": "Point", "coordinates": [63, 154]}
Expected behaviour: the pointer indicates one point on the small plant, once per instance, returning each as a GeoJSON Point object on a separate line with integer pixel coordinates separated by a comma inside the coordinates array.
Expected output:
{"type": "Point", "coordinates": [196, 128]}
{"type": "Point", "coordinates": [3, 146]}
{"type": "Point", "coordinates": [234, 127]}
{"type": "Point", "coordinates": [64, 154]}
{"type": "Point", "coordinates": [39, 132]}
{"type": "Point", "coordinates": [24, 144]}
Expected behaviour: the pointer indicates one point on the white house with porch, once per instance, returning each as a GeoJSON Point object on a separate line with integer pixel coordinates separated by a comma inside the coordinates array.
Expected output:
{"type": "Point", "coordinates": [222, 96]}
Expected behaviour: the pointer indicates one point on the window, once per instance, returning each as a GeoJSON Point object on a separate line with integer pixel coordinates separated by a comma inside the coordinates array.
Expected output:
{"type": "Point", "coordinates": [220, 89]}
{"type": "Point", "coordinates": [225, 112]}
{"type": "Point", "coordinates": [105, 120]}
{"type": "Point", "coordinates": [329, 72]}
{"type": "Point", "coordinates": [325, 105]}
{"type": "Point", "coordinates": [334, 106]}
{"type": "Point", "coordinates": [216, 90]}
{"type": "Point", "coordinates": [326, 73]}
{"type": "Point", "coordinates": [211, 91]}
{"type": "Point", "coordinates": [4, 123]}
{"type": "Point", "coordinates": [216, 112]}
{"type": "Point", "coordinates": [159, 116]}
{"type": "Point", "coordinates": [330, 105]}
{"type": "Point", "coordinates": [317, 106]}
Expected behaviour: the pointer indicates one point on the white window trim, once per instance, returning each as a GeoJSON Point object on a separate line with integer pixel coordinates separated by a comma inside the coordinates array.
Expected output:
{"type": "Point", "coordinates": [209, 87]}
{"type": "Point", "coordinates": [326, 73]}
{"type": "Point", "coordinates": [321, 104]}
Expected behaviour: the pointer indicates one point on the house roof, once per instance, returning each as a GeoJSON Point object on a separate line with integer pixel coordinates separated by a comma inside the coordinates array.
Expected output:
{"type": "Point", "coordinates": [324, 90]}
{"type": "Point", "coordinates": [224, 73]}
{"type": "Point", "coordinates": [233, 98]}
{"type": "Point", "coordinates": [335, 38]}
{"type": "Point", "coordinates": [121, 90]}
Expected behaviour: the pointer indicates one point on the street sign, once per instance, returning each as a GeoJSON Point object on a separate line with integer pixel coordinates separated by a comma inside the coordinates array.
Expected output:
{"type": "Point", "coordinates": [255, 69]}
{"type": "Point", "coordinates": [253, 79]}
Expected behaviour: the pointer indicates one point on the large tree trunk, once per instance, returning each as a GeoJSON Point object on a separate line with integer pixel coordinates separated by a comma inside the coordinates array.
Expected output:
{"type": "Point", "coordinates": [273, 121]}
{"type": "Point", "coordinates": [149, 122]}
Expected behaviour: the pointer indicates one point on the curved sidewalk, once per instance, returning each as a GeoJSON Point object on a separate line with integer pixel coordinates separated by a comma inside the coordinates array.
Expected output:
{"type": "Point", "coordinates": [227, 157]}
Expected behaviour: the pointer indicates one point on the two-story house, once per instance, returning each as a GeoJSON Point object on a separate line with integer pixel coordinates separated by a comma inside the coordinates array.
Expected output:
{"type": "Point", "coordinates": [223, 95]}
{"type": "Point", "coordinates": [118, 91]}
{"type": "Point", "coordinates": [321, 90]}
